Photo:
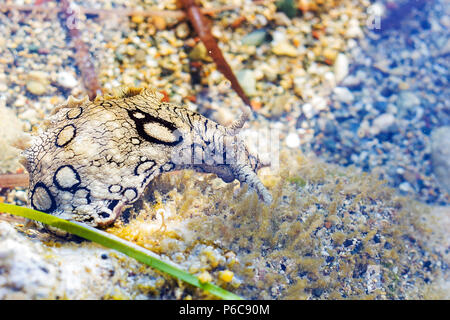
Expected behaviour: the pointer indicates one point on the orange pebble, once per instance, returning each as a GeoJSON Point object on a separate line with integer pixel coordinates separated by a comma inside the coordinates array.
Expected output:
{"type": "Point", "coordinates": [19, 170]}
{"type": "Point", "coordinates": [166, 96]}
{"type": "Point", "coordinates": [256, 105]}
{"type": "Point", "coordinates": [191, 98]}
{"type": "Point", "coordinates": [236, 23]}
{"type": "Point", "coordinates": [315, 34]}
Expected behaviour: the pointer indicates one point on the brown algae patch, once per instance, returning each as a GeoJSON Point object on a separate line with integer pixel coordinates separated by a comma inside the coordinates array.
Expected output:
{"type": "Point", "coordinates": [331, 233]}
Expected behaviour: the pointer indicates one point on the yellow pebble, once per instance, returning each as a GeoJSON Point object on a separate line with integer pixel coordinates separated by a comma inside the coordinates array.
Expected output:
{"type": "Point", "coordinates": [330, 54]}
{"type": "Point", "coordinates": [53, 100]}
{"type": "Point", "coordinates": [137, 19]}
{"type": "Point", "coordinates": [205, 277]}
{"type": "Point", "coordinates": [226, 275]}
{"type": "Point", "coordinates": [159, 23]}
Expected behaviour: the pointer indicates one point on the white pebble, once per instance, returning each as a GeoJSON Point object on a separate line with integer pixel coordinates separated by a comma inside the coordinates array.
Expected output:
{"type": "Point", "coordinates": [405, 187]}
{"type": "Point", "coordinates": [66, 80]}
{"type": "Point", "coordinates": [21, 195]}
{"type": "Point", "coordinates": [383, 122]}
{"type": "Point", "coordinates": [342, 94]}
{"type": "Point", "coordinates": [341, 67]}
{"type": "Point", "coordinates": [308, 110]}
{"type": "Point", "coordinates": [293, 140]}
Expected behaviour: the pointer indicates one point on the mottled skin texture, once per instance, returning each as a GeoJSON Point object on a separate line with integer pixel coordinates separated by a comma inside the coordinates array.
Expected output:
{"type": "Point", "coordinates": [95, 157]}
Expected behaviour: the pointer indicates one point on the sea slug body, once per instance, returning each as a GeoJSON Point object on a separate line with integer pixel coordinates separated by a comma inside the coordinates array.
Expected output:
{"type": "Point", "coordinates": [95, 157]}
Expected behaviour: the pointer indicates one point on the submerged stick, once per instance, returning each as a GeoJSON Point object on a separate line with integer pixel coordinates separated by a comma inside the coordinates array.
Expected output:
{"type": "Point", "coordinates": [82, 55]}
{"type": "Point", "coordinates": [198, 21]}
{"type": "Point", "coordinates": [14, 180]}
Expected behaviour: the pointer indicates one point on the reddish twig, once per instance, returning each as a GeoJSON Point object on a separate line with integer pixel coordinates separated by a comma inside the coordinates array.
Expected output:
{"type": "Point", "coordinates": [200, 25]}
{"type": "Point", "coordinates": [82, 56]}
{"type": "Point", "coordinates": [14, 180]}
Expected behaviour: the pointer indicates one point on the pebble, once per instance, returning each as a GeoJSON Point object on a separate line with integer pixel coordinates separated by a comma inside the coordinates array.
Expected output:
{"type": "Point", "coordinates": [440, 155]}
{"type": "Point", "coordinates": [199, 52]}
{"type": "Point", "coordinates": [284, 49]}
{"type": "Point", "coordinates": [22, 196]}
{"type": "Point", "coordinates": [159, 22]}
{"type": "Point", "coordinates": [141, 56]}
{"type": "Point", "coordinates": [406, 187]}
{"type": "Point", "coordinates": [66, 80]}
{"type": "Point", "coordinates": [137, 19]}
{"type": "Point", "coordinates": [354, 30]}
{"type": "Point", "coordinates": [254, 38]}
{"type": "Point", "coordinates": [407, 100]}
{"type": "Point", "coordinates": [330, 54]}
{"type": "Point", "coordinates": [343, 94]}
{"type": "Point", "coordinates": [36, 87]}
{"type": "Point", "coordinates": [383, 123]}
{"type": "Point", "coordinates": [308, 110]}
{"type": "Point", "coordinates": [247, 81]}
{"type": "Point", "coordinates": [293, 140]}
{"type": "Point", "coordinates": [182, 30]}
{"type": "Point", "coordinates": [341, 67]}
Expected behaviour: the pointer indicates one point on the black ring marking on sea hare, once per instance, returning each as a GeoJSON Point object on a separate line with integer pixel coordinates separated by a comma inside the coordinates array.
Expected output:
{"type": "Point", "coordinates": [142, 165]}
{"type": "Point", "coordinates": [74, 186]}
{"type": "Point", "coordinates": [67, 142]}
{"type": "Point", "coordinates": [169, 166]}
{"type": "Point", "coordinates": [76, 116]}
{"type": "Point", "coordinates": [135, 194]}
{"type": "Point", "coordinates": [52, 206]}
{"type": "Point", "coordinates": [147, 118]}
{"type": "Point", "coordinates": [135, 141]}
{"type": "Point", "coordinates": [110, 188]}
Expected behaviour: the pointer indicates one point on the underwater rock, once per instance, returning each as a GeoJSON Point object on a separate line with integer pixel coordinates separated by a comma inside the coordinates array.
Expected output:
{"type": "Point", "coordinates": [10, 131]}
{"type": "Point", "coordinates": [199, 52]}
{"type": "Point", "coordinates": [36, 87]}
{"type": "Point", "coordinates": [25, 274]}
{"type": "Point", "coordinates": [383, 123]}
{"type": "Point", "coordinates": [66, 80]}
{"type": "Point", "coordinates": [283, 48]}
{"type": "Point", "coordinates": [343, 94]}
{"type": "Point", "coordinates": [341, 66]}
{"type": "Point", "coordinates": [182, 30]}
{"type": "Point", "coordinates": [293, 140]}
{"type": "Point", "coordinates": [288, 7]}
{"type": "Point", "coordinates": [37, 82]}
{"type": "Point", "coordinates": [440, 155]}
{"type": "Point", "coordinates": [36, 269]}
{"type": "Point", "coordinates": [247, 80]}
{"type": "Point", "coordinates": [254, 38]}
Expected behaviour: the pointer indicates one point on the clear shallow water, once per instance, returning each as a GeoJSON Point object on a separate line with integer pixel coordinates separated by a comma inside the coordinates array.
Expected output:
{"type": "Point", "coordinates": [379, 117]}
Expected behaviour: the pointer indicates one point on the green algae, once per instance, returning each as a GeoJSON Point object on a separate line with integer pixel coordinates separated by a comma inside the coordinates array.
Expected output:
{"type": "Point", "coordinates": [334, 233]}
